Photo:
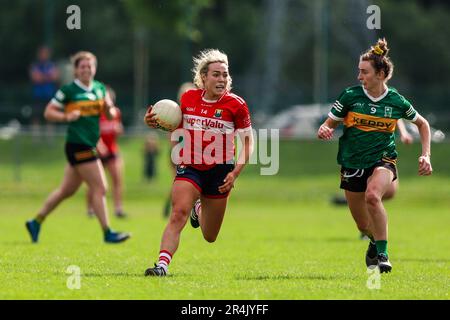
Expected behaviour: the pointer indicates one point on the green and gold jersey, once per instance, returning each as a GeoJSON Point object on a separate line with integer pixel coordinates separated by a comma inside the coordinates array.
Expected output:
{"type": "Point", "coordinates": [369, 125]}
{"type": "Point", "coordinates": [90, 102]}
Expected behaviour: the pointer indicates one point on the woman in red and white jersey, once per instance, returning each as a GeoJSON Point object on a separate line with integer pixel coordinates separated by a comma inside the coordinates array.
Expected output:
{"type": "Point", "coordinates": [206, 169]}
{"type": "Point", "coordinates": [108, 150]}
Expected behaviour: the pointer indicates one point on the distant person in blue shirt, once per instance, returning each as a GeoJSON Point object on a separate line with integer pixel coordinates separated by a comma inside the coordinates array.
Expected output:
{"type": "Point", "coordinates": [44, 76]}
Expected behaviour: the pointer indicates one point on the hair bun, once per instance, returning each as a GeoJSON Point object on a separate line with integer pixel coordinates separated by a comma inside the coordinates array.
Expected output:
{"type": "Point", "coordinates": [381, 48]}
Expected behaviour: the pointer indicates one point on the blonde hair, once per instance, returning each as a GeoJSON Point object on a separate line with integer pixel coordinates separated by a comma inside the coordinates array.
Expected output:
{"type": "Point", "coordinates": [81, 55]}
{"type": "Point", "coordinates": [377, 55]}
{"type": "Point", "coordinates": [202, 62]}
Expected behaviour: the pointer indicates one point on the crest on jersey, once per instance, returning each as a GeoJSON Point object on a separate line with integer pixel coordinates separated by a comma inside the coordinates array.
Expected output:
{"type": "Point", "coordinates": [218, 113]}
{"type": "Point", "coordinates": [388, 112]}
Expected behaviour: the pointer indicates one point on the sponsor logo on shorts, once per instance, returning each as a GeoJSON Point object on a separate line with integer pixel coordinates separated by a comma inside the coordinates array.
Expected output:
{"type": "Point", "coordinates": [181, 169]}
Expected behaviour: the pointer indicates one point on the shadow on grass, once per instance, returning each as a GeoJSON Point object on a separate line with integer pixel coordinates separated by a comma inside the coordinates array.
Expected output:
{"type": "Point", "coordinates": [311, 239]}
{"type": "Point", "coordinates": [108, 274]}
{"type": "Point", "coordinates": [23, 243]}
{"type": "Point", "coordinates": [285, 277]}
{"type": "Point", "coordinates": [330, 239]}
{"type": "Point", "coordinates": [340, 239]}
{"type": "Point", "coordinates": [424, 260]}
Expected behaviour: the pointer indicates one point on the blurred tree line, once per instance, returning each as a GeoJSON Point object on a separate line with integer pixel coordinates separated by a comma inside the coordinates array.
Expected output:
{"type": "Point", "coordinates": [276, 48]}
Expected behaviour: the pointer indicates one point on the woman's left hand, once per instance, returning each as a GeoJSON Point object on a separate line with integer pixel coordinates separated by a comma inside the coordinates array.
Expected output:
{"type": "Point", "coordinates": [229, 183]}
{"type": "Point", "coordinates": [425, 168]}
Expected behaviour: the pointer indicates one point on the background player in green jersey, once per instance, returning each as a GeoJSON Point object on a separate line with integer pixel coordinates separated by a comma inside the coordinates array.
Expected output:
{"type": "Point", "coordinates": [367, 150]}
{"type": "Point", "coordinates": [79, 104]}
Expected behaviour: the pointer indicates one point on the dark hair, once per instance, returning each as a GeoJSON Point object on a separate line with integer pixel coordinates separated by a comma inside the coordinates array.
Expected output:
{"type": "Point", "coordinates": [377, 55]}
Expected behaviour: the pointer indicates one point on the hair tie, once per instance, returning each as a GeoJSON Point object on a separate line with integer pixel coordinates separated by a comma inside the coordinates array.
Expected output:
{"type": "Point", "coordinates": [377, 50]}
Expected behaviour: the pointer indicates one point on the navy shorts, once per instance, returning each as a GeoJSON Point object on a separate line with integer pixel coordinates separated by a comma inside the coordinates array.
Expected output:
{"type": "Point", "coordinates": [206, 181]}
{"type": "Point", "coordinates": [80, 153]}
{"type": "Point", "coordinates": [355, 180]}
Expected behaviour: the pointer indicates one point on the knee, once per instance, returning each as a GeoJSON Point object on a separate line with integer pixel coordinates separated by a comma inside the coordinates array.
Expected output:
{"type": "Point", "coordinates": [178, 216]}
{"type": "Point", "coordinates": [210, 238]}
{"type": "Point", "coordinates": [99, 191]}
{"type": "Point", "coordinates": [66, 193]}
{"type": "Point", "coordinates": [372, 198]}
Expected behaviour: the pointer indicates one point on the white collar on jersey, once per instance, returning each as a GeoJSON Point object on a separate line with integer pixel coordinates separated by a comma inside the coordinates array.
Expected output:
{"type": "Point", "coordinates": [212, 101]}
{"type": "Point", "coordinates": [386, 91]}
{"type": "Point", "coordinates": [209, 101]}
{"type": "Point", "coordinates": [82, 86]}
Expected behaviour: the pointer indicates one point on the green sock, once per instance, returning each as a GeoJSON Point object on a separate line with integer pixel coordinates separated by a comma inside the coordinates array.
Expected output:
{"type": "Point", "coordinates": [381, 246]}
{"type": "Point", "coordinates": [39, 219]}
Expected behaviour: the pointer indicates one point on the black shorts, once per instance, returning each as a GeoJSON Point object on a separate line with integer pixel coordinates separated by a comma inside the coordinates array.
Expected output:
{"type": "Point", "coordinates": [109, 157]}
{"type": "Point", "coordinates": [80, 153]}
{"type": "Point", "coordinates": [206, 181]}
{"type": "Point", "coordinates": [355, 180]}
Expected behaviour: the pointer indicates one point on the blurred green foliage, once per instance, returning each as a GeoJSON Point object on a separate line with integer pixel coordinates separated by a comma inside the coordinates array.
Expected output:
{"type": "Point", "coordinates": [176, 30]}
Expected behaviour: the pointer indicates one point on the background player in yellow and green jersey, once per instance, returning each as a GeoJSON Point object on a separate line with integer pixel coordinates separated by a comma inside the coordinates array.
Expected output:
{"type": "Point", "coordinates": [79, 104]}
{"type": "Point", "coordinates": [367, 150]}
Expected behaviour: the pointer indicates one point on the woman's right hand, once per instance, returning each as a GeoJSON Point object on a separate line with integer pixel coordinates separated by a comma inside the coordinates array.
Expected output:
{"type": "Point", "coordinates": [406, 138]}
{"type": "Point", "coordinates": [325, 132]}
{"type": "Point", "coordinates": [149, 118]}
{"type": "Point", "coordinates": [72, 116]}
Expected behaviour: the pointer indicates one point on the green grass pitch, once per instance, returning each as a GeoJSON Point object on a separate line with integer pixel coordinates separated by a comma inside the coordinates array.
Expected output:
{"type": "Point", "coordinates": [281, 237]}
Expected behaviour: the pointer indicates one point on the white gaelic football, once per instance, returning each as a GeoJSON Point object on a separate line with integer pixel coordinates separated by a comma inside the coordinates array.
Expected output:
{"type": "Point", "coordinates": [167, 114]}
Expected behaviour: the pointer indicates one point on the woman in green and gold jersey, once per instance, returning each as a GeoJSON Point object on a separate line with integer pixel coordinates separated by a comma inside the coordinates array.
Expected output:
{"type": "Point", "coordinates": [79, 104]}
{"type": "Point", "coordinates": [367, 151]}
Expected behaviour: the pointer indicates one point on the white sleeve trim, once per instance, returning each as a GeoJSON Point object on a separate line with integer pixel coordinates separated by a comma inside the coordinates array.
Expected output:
{"type": "Point", "coordinates": [414, 119]}
{"type": "Point", "coordinates": [57, 103]}
{"type": "Point", "coordinates": [332, 116]}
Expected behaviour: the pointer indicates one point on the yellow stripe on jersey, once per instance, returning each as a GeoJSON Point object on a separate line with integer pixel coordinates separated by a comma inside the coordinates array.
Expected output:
{"type": "Point", "coordinates": [367, 122]}
{"type": "Point", "coordinates": [87, 108]}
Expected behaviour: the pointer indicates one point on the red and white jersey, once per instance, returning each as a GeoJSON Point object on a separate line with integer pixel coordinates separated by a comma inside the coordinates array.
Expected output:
{"type": "Point", "coordinates": [215, 124]}
{"type": "Point", "coordinates": [108, 131]}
